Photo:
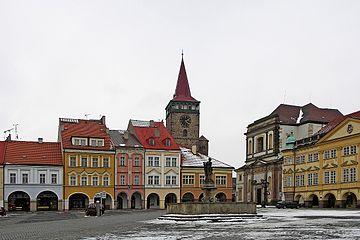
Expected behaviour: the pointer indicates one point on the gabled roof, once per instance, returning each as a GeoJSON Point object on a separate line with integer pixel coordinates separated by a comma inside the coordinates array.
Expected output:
{"type": "Point", "coordinates": [69, 128]}
{"type": "Point", "coordinates": [290, 114]}
{"type": "Point", "coordinates": [182, 91]}
{"type": "Point", "coordinates": [123, 138]}
{"type": "Point", "coordinates": [2, 151]}
{"type": "Point", "coordinates": [331, 125]}
{"type": "Point", "coordinates": [147, 130]}
{"type": "Point", "coordinates": [189, 159]}
{"type": "Point", "coordinates": [33, 153]}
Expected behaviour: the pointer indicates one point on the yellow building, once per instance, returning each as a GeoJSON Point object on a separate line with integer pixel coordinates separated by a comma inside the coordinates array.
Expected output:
{"type": "Point", "coordinates": [192, 175]}
{"type": "Point", "coordinates": [89, 163]}
{"type": "Point", "coordinates": [323, 170]}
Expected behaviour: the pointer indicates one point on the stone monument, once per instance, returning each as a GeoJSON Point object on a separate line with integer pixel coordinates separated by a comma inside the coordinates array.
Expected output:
{"type": "Point", "coordinates": [209, 185]}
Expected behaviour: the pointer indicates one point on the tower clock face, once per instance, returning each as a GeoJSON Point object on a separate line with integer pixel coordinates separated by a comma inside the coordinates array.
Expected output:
{"type": "Point", "coordinates": [185, 121]}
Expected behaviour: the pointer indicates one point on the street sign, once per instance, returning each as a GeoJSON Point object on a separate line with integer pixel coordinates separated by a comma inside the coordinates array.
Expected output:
{"type": "Point", "coordinates": [98, 195]}
{"type": "Point", "coordinates": [103, 195]}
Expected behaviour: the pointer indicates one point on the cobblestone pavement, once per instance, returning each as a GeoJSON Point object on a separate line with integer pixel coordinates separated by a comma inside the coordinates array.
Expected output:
{"type": "Point", "coordinates": [143, 224]}
{"type": "Point", "coordinates": [70, 225]}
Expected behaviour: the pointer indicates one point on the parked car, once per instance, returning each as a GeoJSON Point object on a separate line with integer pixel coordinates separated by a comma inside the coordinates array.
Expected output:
{"type": "Point", "coordinates": [284, 204]}
{"type": "Point", "coordinates": [2, 211]}
{"type": "Point", "coordinates": [91, 209]}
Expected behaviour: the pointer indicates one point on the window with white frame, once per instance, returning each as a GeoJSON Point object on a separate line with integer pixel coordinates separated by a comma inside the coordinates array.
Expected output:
{"type": "Point", "coordinates": [299, 180]}
{"type": "Point", "coordinates": [173, 180]}
{"type": "Point", "coordinates": [220, 180]}
{"type": "Point", "coordinates": [153, 161]}
{"type": "Point", "coordinates": [330, 154]}
{"type": "Point", "coordinates": [77, 141]}
{"type": "Point", "coordinates": [168, 180]}
{"type": "Point", "coordinates": [96, 142]}
{"type": "Point", "coordinates": [136, 180]}
{"type": "Point", "coordinates": [300, 159]}
{"type": "Point", "coordinates": [122, 161]}
{"type": "Point", "coordinates": [25, 178]}
{"type": "Point", "coordinates": [122, 180]}
{"type": "Point", "coordinates": [349, 150]}
{"type": "Point", "coordinates": [289, 181]}
{"type": "Point", "coordinates": [95, 181]}
{"type": "Point", "coordinates": [83, 161]}
{"type": "Point", "coordinates": [349, 175]}
{"type": "Point", "coordinates": [168, 162]}
{"type": "Point", "coordinates": [156, 180]}
{"type": "Point", "coordinates": [95, 162]}
{"type": "Point", "coordinates": [188, 179]}
{"type": "Point", "coordinates": [352, 175]}
{"type": "Point", "coordinates": [42, 177]}
{"type": "Point", "coordinates": [105, 181]}
{"type": "Point", "coordinates": [289, 160]}
{"type": "Point", "coordinates": [173, 161]}
{"type": "Point", "coordinates": [105, 162]}
{"type": "Point", "coordinates": [136, 162]}
{"type": "Point", "coordinates": [313, 179]}
{"type": "Point", "coordinates": [150, 180]}
{"type": "Point", "coordinates": [72, 161]}
{"type": "Point", "coordinates": [330, 177]}
{"type": "Point", "coordinates": [54, 178]}
{"type": "Point", "coordinates": [84, 180]}
{"type": "Point", "coordinates": [313, 157]}
{"type": "Point", "coordinates": [72, 180]}
{"type": "Point", "coordinates": [202, 179]}
{"type": "Point", "coordinates": [12, 178]}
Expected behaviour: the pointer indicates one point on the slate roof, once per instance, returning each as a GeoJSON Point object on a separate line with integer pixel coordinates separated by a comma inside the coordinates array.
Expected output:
{"type": "Point", "coordinates": [197, 160]}
{"type": "Point", "coordinates": [291, 114]}
{"type": "Point", "coordinates": [69, 128]}
{"type": "Point", "coordinates": [331, 125]}
{"type": "Point", "coordinates": [119, 139]}
{"type": "Point", "coordinates": [182, 91]}
{"type": "Point", "coordinates": [153, 130]}
{"type": "Point", "coordinates": [2, 152]}
{"type": "Point", "coordinates": [33, 153]}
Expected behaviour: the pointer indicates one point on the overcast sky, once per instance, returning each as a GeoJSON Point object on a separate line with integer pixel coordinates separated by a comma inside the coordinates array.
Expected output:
{"type": "Point", "coordinates": [121, 59]}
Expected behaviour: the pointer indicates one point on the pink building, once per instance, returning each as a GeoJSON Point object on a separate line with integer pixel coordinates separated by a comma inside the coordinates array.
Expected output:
{"type": "Point", "coordinates": [129, 169]}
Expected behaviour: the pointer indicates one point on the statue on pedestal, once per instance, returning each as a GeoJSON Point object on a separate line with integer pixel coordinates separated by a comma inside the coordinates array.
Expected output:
{"type": "Point", "coordinates": [208, 171]}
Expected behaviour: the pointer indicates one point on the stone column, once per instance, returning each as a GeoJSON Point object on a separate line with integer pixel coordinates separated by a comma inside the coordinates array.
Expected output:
{"type": "Point", "coordinates": [322, 204]}
{"type": "Point", "coordinates": [60, 205]}
{"type": "Point", "coordinates": [33, 205]}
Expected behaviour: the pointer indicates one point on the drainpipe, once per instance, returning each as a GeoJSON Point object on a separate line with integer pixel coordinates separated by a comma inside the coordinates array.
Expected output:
{"type": "Point", "coordinates": [294, 181]}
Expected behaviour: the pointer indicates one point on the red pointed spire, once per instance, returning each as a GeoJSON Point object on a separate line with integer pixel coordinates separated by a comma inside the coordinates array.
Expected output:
{"type": "Point", "coordinates": [182, 91]}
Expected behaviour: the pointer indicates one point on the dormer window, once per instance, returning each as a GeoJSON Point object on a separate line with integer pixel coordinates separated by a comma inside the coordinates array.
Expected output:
{"type": "Point", "coordinates": [167, 142]}
{"type": "Point", "coordinates": [96, 142]}
{"type": "Point", "coordinates": [77, 141]}
{"type": "Point", "coordinates": [152, 141]}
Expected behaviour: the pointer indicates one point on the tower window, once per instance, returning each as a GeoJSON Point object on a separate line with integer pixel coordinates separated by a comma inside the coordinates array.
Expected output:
{"type": "Point", "coordinates": [260, 144]}
{"type": "Point", "coordinates": [185, 133]}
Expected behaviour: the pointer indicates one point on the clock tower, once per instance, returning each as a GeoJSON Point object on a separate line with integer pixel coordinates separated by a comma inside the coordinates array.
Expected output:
{"type": "Point", "coordinates": [183, 115]}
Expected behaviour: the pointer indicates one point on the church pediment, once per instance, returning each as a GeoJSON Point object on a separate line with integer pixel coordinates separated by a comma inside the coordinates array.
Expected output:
{"type": "Point", "coordinates": [349, 163]}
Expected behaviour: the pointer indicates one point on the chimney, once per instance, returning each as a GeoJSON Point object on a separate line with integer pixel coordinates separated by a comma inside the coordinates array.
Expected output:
{"type": "Point", "coordinates": [152, 123]}
{"type": "Point", "coordinates": [194, 149]}
{"type": "Point", "coordinates": [103, 120]}
{"type": "Point", "coordinates": [40, 140]}
{"type": "Point", "coordinates": [126, 135]}
{"type": "Point", "coordinates": [8, 138]}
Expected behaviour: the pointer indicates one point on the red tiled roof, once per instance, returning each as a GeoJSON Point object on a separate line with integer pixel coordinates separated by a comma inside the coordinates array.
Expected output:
{"type": "Point", "coordinates": [290, 114]}
{"type": "Point", "coordinates": [145, 133]}
{"type": "Point", "coordinates": [331, 125]}
{"type": "Point", "coordinates": [2, 152]}
{"type": "Point", "coordinates": [182, 91]}
{"type": "Point", "coordinates": [34, 153]}
{"type": "Point", "coordinates": [83, 128]}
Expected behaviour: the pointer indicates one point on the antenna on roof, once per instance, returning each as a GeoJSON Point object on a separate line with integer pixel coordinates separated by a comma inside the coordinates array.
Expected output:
{"type": "Point", "coordinates": [7, 132]}
{"type": "Point", "coordinates": [16, 131]}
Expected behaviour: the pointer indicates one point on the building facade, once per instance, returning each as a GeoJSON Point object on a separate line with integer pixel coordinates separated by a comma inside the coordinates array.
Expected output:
{"type": "Point", "coordinates": [183, 115]}
{"type": "Point", "coordinates": [2, 155]}
{"type": "Point", "coordinates": [89, 165]}
{"type": "Point", "coordinates": [323, 170]}
{"type": "Point", "coordinates": [33, 176]}
{"type": "Point", "coordinates": [192, 177]}
{"type": "Point", "coordinates": [129, 170]}
{"type": "Point", "coordinates": [260, 179]}
{"type": "Point", "coordinates": [162, 163]}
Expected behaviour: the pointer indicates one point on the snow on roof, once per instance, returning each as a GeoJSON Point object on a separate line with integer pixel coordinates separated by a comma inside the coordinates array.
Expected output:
{"type": "Point", "coordinates": [197, 160]}
{"type": "Point", "coordinates": [140, 123]}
